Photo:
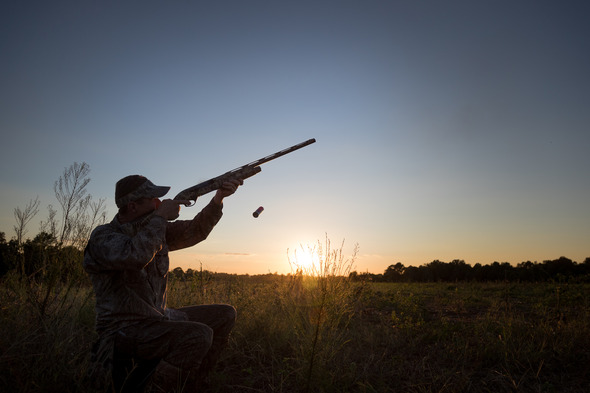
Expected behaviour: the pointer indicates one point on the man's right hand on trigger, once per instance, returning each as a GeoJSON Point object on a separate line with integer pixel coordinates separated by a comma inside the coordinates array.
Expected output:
{"type": "Point", "coordinates": [170, 209]}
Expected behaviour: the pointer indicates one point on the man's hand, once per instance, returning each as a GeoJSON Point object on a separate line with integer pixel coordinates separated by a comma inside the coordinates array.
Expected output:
{"type": "Point", "coordinates": [227, 189]}
{"type": "Point", "coordinates": [170, 208]}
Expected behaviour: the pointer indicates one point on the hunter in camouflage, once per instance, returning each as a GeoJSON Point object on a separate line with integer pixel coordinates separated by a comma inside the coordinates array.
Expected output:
{"type": "Point", "coordinates": [127, 261]}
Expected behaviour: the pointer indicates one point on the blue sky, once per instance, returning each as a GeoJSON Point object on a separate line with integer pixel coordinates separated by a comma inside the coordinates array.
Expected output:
{"type": "Point", "coordinates": [445, 130]}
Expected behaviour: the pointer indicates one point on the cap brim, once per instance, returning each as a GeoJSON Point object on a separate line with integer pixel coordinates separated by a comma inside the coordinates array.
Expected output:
{"type": "Point", "coordinates": [160, 191]}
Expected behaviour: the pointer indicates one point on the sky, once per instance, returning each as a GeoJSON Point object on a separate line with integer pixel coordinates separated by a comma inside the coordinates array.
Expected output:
{"type": "Point", "coordinates": [445, 129]}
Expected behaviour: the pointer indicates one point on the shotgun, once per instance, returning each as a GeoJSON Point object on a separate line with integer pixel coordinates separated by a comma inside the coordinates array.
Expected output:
{"type": "Point", "coordinates": [241, 173]}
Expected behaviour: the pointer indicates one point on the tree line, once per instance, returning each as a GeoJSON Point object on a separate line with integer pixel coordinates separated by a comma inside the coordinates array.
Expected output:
{"type": "Point", "coordinates": [560, 269]}
{"type": "Point", "coordinates": [44, 254]}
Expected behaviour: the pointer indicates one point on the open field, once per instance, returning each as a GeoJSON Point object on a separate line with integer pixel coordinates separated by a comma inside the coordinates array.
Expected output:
{"type": "Point", "coordinates": [328, 334]}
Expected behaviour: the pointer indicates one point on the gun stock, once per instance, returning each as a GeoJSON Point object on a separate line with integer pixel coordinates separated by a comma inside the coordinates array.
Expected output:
{"type": "Point", "coordinates": [241, 173]}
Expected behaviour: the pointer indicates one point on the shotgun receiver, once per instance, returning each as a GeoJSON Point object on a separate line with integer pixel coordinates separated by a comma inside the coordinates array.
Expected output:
{"type": "Point", "coordinates": [243, 172]}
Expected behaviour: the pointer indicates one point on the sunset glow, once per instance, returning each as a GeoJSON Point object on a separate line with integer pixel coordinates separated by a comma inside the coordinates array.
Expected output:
{"type": "Point", "coordinates": [445, 130]}
{"type": "Point", "coordinates": [305, 259]}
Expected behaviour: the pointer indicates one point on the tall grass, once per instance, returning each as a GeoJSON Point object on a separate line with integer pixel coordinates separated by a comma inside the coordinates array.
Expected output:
{"type": "Point", "coordinates": [313, 330]}
{"type": "Point", "coordinates": [46, 335]}
{"type": "Point", "coordinates": [319, 305]}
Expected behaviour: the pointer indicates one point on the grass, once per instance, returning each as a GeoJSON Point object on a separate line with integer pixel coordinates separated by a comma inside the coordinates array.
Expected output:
{"type": "Point", "coordinates": [323, 333]}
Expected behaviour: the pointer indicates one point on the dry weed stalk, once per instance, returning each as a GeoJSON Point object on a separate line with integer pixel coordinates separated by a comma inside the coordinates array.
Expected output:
{"type": "Point", "coordinates": [320, 292]}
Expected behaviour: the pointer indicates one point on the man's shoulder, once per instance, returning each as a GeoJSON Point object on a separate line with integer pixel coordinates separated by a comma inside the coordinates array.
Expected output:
{"type": "Point", "coordinates": [105, 229]}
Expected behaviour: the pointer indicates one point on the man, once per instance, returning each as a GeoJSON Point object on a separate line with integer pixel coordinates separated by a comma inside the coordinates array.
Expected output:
{"type": "Point", "coordinates": [127, 260]}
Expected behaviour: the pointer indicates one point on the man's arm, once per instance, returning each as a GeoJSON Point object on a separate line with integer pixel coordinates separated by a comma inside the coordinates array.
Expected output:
{"type": "Point", "coordinates": [183, 234]}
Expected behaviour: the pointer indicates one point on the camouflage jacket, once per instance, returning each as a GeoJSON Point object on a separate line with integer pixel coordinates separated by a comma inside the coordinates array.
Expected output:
{"type": "Point", "coordinates": [128, 266]}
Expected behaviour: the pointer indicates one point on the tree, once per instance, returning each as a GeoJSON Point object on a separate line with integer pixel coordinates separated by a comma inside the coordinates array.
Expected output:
{"type": "Point", "coordinates": [561, 267]}
{"type": "Point", "coordinates": [177, 273]}
{"type": "Point", "coordinates": [50, 226]}
{"type": "Point", "coordinates": [438, 271]}
{"type": "Point", "coordinates": [23, 217]}
{"type": "Point", "coordinates": [460, 269]}
{"type": "Point", "coordinates": [70, 191]}
{"type": "Point", "coordinates": [38, 255]}
{"type": "Point", "coordinates": [394, 272]}
{"type": "Point", "coordinates": [9, 255]}
{"type": "Point", "coordinates": [414, 274]}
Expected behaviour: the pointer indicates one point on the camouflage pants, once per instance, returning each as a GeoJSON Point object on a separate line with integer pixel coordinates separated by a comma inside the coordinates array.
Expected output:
{"type": "Point", "coordinates": [183, 351]}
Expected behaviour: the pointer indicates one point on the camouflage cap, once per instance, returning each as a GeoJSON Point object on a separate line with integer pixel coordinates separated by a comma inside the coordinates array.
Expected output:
{"type": "Point", "coordinates": [134, 187]}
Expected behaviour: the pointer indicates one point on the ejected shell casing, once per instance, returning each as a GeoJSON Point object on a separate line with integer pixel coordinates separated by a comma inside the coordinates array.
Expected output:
{"type": "Point", "coordinates": [257, 212]}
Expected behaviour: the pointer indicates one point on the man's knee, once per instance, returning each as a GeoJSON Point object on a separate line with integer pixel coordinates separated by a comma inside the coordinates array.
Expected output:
{"type": "Point", "coordinates": [191, 347]}
{"type": "Point", "coordinates": [226, 319]}
{"type": "Point", "coordinates": [229, 313]}
{"type": "Point", "coordinates": [220, 317]}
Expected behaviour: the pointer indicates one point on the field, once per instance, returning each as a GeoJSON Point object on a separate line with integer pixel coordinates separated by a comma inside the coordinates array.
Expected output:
{"type": "Point", "coordinates": [327, 334]}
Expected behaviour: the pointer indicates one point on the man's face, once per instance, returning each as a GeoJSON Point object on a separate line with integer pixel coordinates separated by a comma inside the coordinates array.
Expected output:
{"type": "Point", "coordinates": [143, 206]}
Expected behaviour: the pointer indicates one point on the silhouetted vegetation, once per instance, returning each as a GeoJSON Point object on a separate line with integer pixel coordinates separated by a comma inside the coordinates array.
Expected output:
{"type": "Point", "coordinates": [35, 256]}
{"type": "Point", "coordinates": [298, 333]}
{"type": "Point", "coordinates": [436, 327]}
{"type": "Point", "coordinates": [561, 269]}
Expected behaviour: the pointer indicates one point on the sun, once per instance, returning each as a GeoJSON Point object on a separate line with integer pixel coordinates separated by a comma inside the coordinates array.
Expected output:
{"type": "Point", "coordinates": [304, 258]}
